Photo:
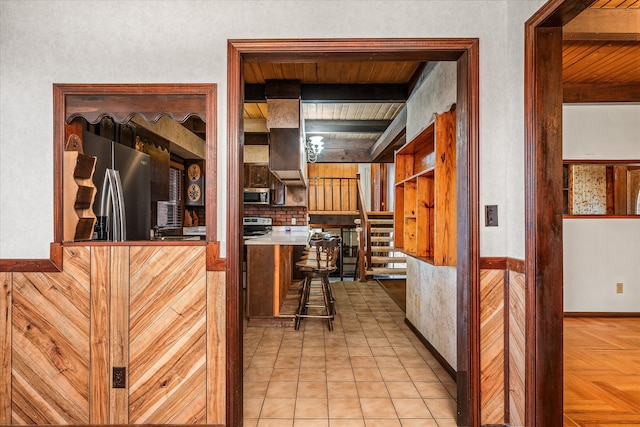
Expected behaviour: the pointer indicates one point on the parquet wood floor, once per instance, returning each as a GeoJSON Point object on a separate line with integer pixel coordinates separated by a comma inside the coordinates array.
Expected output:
{"type": "Point", "coordinates": [601, 372]}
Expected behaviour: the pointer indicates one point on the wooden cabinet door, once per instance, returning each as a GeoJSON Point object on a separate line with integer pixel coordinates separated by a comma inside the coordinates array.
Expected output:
{"type": "Point", "coordinates": [258, 176]}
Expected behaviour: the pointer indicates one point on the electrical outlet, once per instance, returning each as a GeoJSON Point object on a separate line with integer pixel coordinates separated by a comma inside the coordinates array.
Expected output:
{"type": "Point", "coordinates": [293, 221]}
{"type": "Point", "coordinates": [119, 377]}
{"type": "Point", "coordinates": [619, 288]}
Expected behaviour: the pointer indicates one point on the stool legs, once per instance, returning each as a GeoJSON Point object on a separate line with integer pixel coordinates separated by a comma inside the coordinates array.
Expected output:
{"type": "Point", "coordinates": [326, 305]}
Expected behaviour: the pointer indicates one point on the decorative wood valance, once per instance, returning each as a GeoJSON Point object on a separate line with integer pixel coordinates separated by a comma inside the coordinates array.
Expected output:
{"type": "Point", "coordinates": [124, 107]}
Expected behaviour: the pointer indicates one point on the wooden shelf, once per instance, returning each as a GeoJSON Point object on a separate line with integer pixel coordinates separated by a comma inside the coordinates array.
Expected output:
{"type": "Point", "coordinates": [425, 193]}
{"type": "Point", "coordinates": [78, 192]}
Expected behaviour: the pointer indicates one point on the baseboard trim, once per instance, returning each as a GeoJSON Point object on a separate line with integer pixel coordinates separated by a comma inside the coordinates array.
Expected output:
{"type": "Point", "coordinates": [601, 314]}
{"type": "Point", "coordinates": [432, 350]}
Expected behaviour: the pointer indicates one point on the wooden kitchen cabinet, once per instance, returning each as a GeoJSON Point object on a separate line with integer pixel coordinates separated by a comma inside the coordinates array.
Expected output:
{"type": "Point", "coordinates": [256, 175]}
{"type": "Point", "coordinates": [425, 193]}
{"type": "Point", "coordinates": [269, 276]}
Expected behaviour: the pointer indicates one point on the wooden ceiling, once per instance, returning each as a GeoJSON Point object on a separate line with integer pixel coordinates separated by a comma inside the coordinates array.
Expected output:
{"type": "Point", "coordinates": [601, 57]}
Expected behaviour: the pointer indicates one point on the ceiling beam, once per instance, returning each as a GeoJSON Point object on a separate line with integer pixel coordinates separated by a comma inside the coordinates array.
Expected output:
{"type": "Point", "coordinates": [604, 24]}
{"type": "Point", "coordinates": [600, 92]}
{"type": "Point", "coordinates": [344, 155]}
{"type": "Point", "coordinates": [345, 126]}
{"type": "Point", "coordinates": [393, 136]}
{"type": "Point", "coordinates": [320, 93]}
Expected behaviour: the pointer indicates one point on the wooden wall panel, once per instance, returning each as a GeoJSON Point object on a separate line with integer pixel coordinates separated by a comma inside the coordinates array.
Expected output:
{"type": "Point", "coordinates": [216, 346]}
{"type": "Point", "coordinates": [517, 347]}
{"type": "Point", "coordinates": [119, 330]}
{"type": "Point", "coordinates": [167, 380]}
{"type": "Point", "coordinates": [99, 369]}
{"type": "Point", "coordinates": [5, 348]}
{"type": "Point", "coordinates": [492, 351]}
{"type": "Point", "coordinates": [50, 343]}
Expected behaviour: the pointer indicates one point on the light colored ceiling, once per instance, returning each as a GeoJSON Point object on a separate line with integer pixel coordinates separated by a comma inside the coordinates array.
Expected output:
{"type": "Point", "coordinates": [601, 46]}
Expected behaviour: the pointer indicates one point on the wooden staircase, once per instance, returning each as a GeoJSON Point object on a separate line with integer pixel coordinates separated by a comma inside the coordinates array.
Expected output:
{"type": "Point", "coordinates": [380, 257]}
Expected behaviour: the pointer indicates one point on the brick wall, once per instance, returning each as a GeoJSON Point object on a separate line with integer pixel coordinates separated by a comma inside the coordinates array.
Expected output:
{"type": "Point", "coordinates": [281, 215]}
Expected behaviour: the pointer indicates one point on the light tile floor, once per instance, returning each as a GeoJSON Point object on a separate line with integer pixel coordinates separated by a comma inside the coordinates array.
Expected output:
{"type": "Point", "coordinates": [370, 371]}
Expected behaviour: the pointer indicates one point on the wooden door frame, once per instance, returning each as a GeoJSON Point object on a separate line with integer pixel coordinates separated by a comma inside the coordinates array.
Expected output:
{"type": "Point", "coordinates": [466, 53]}
{"type": "Point", "coordinates": [543, 210]}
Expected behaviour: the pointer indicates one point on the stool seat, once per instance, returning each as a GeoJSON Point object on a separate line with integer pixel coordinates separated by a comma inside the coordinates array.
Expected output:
{"type": "Point", "coordinates": [317, 263]}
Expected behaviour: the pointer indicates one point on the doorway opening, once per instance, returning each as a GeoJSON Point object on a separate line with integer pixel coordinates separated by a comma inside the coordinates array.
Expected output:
{"type": "Point", "coordinates": [465, 53]}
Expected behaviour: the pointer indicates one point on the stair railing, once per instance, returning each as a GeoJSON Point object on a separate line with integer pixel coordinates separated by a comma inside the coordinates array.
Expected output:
{"type": "Point", "coordinates": [334, 194]}
{"type": "Point", "coordinates": [364, 235]}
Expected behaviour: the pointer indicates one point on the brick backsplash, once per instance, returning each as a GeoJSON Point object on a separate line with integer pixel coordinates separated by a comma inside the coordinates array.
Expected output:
{"type": "Point", "coordinates": [280, 215]}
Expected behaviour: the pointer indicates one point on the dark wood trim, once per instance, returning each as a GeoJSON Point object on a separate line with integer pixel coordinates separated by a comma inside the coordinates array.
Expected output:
{"type": "Point", "coordinates": [502, 263]}
{"type": "Point", "coordinates": [468, 238]}
{"type": "Point", "coordinates": [466, 53]}
{"type": "Point", "coordinates": [604, 162]}
{"type": "Point", "coordinates": [575, 93]}
{"type": "Point", "coordinates": [235, 174]}
{"type": "Point", "coordinates": [544, 399]}
{"type": "Point", "coordinates": [543, 210]}
{"type": "Point", "coordinates": [51, 265]}
{"type": "Point", "coordinates": [214, 262]}
{"type": "Point", "coordinates": [516, 265]}
{"type": "Point", "coordinates": [600, 216]}
{"type": "Point", "coordinates": [434, 352]}
{"type": "Point", "coordinates": [493, 263]}
{"type": "Point", "coordinates": [600, 314]}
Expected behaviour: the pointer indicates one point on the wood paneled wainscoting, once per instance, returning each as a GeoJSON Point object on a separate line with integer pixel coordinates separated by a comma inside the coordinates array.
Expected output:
{"type": "Point", "coordinates": [502, 341]}
{"type": "Point", "coordinates": [153, 311]}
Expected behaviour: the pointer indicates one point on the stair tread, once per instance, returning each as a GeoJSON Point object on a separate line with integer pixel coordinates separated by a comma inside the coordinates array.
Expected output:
{"type": "Point", "coordinates": [381, 238]}
{"type": "Point", "coordinates": [386, 270]}
{"type": "Point", "coordinates": [383, 249]}
{"type": "Point", "coordinates": [381, 229]}
{"type": "Point", "coordinates": [377, 213]}
{"type": "Point", "coordinates": [381, 221]}
{"type": "Point", "coordinates": [385, 259]}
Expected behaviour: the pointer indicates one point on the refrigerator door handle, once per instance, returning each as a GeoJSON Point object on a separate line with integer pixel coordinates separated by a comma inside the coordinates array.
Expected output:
{"type": "Point", "coordinates": [112, 204]}
{"type": "Point", "coordinates": [120, 208]}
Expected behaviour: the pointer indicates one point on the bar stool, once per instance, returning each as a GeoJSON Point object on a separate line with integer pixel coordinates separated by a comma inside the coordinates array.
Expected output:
{"type": "Point", "coordinates": [318, 262]}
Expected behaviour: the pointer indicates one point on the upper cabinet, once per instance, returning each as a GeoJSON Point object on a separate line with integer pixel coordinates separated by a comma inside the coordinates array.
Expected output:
{"type": "Point", "coordinates": [425, 193]}
{"type": "Point", "coordinates": [287, 157]}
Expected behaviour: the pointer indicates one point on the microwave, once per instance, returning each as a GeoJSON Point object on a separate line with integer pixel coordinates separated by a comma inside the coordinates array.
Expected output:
{"type": "Point", "coordinates": [256, 196]}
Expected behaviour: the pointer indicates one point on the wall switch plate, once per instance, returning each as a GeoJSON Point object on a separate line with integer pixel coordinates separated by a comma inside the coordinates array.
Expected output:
{"type": "Point", "coordinates": [619, 288]}
{"type": "Point", "coordinates": [491, 215]}
{"type": "Point", "coordinates": [119, 377]}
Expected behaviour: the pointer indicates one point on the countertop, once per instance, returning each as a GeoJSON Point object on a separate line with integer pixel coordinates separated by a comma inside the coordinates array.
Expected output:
{"type": "Point", "coordinates": [277, 237]}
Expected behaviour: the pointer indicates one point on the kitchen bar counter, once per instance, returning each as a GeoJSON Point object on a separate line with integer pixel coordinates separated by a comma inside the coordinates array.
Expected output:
{"type": "Point", "coordinates": [270, 274]}
{"type": "Point", "coordinates": [295, 238]}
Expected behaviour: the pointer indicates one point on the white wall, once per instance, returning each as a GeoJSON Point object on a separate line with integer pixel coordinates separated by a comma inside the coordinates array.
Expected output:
{"type": "Point", "coordinates": [431, 305]}
{"type": "Point", "coordinates": [598, 253]}
{"type": "Point", "coordinates": [135, 41]}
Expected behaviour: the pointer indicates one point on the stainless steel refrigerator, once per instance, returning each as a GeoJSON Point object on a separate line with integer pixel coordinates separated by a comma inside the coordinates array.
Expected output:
{"type": "Point", "coordinates": [123, 198]}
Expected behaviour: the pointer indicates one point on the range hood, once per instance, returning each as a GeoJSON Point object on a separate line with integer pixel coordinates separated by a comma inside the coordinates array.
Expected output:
{"type": "Point", "coordinates": [287, 157]}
